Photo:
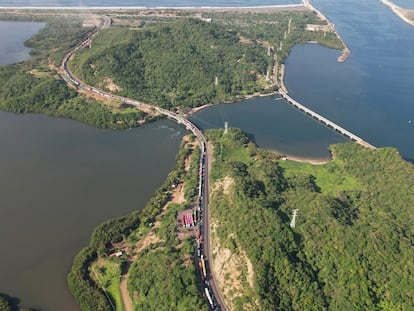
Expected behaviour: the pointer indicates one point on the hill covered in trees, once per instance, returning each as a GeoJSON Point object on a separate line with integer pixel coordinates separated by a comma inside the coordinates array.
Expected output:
{"type": "Point", "coordinates": [175, 63]}
{"type": "Point", "coordinates": [185, 62]}
{"type": "Point", "coordinates": [351, 248]}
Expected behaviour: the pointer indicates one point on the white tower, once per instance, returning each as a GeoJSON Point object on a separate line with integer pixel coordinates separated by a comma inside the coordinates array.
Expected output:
{"type": "Point", "coordinates": [293, 222]}
{"type": "Point", "coordinates": [226, 127]}
{"type": "Point", "coordinates": [290, 21]}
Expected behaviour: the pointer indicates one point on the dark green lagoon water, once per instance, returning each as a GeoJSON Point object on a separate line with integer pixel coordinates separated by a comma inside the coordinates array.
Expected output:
{"type": "Point", "coordinates": [12, 36]}
{"type": "Point", "coordinates": [59, 179]}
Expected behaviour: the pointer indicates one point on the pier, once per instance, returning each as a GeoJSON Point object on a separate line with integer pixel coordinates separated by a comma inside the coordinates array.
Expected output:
{"type": "Point", "coordinates": [325, 121]}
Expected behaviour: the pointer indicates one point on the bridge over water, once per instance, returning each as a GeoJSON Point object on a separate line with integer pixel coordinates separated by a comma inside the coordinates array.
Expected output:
{"type": "Point", "coordinates": [325, 121]}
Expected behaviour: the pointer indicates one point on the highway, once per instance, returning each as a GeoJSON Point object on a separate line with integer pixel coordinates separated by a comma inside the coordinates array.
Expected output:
{"type": "Point", "coordinates": [211, 291]}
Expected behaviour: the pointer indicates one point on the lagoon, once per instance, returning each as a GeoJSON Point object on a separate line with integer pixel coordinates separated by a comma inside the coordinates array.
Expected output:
{"type": "Point", "coordinates": [60, 179]}
{"type": "Point", "coordinates": [274, 125]}
{"type": "Point", "coordinates": [12, 36]}
{"type": "Point", "coordinates": [371, 93]}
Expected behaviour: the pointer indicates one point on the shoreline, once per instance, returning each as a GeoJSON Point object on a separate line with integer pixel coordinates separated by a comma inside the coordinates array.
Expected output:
{"type": "Point", "coordinates": [314, 161]}
{"type": "Point", "coordinates": [346, 52]}
{"type": "Point", "coordinates": [399, 11]}
{"type": "Point", "coordinates": [246, 97]}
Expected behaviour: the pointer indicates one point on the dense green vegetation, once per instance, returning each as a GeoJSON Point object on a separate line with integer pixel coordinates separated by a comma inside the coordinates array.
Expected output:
{"type": "Point", "coordinates": [34, 86]}
{"type": "Point", "coordinates": [175, 63]}
{"type": "Point", "coordinates": [23, 92]}
{"type": "Point", "coordinates": [165, 279]}
{"type": "Point", "coordinates": [273, 28]}
{"type": "Point", "coordinates": [352, 246]}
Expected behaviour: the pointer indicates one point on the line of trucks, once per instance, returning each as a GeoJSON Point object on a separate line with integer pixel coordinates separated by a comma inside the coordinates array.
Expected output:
{"type": "Point", "coordinates": [195, 220]}
{"type": "Point", "coordinates": [199, 231]}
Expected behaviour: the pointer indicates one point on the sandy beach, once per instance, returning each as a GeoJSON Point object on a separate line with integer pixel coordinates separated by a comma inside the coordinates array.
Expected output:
{"type": "Point", "coordinates": [306, 160]}
{"type": "Point", "coordinates": [264, 8]}
{"type": "Point", "coordinates": [400, 12]}
{"type": "Point", "coordinates": [314, 161]}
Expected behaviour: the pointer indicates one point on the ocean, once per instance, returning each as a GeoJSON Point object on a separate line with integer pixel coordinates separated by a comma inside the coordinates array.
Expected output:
{"type": "Point", "coordinates": [126, 3]}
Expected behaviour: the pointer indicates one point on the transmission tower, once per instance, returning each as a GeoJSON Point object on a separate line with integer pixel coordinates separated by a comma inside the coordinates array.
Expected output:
{"type": "Point", "coordinates": [293, 222]}
{"type": "Point", "coordinates": [226, 127]}
{"type": "Point", "coordinates": [290, 21]}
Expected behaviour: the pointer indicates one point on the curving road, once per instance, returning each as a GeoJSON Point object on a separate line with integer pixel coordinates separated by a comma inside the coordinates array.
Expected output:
{"type": "Point", "coordinates": [211, 291]}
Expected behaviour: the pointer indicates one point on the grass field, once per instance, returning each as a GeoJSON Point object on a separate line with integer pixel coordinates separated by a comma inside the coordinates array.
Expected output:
{"type": "Point", "coordinates": [108, 272]}
{"type": "Point", "coordinates": [330, 177]}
